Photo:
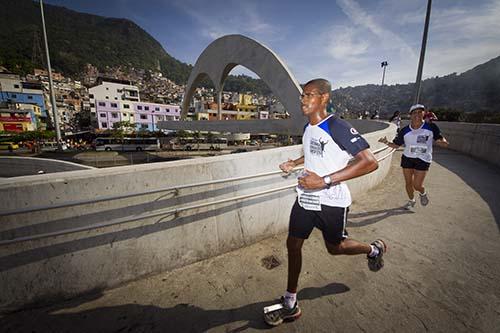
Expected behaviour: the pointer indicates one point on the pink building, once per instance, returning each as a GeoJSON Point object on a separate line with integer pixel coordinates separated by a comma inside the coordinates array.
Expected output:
{"type": "Point", "coordinates": [143, 114]}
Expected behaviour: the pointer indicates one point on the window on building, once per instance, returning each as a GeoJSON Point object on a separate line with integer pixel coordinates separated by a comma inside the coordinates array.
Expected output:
{"type": "Point", "coordinates": [102, 104]}
{"type": "Point", "coordinates": [102, 115]}
{"type": "Point", "coordinates": [107, 97]}
{"type": "Point", "coordinates": [139, 107]}
{"type": "Point", "coordinates": [104, 125]}
{"type": "Point", "coordinates": [16, 86]}
{"type": "Point", "coordinates": [159, 117]}
{"type": "Point", "coordinates": [168, 110]}
{"type": "Point", "coordinates": [144, 126]}
{"type": "Point", "coordinates": [13, 96]}
{"type": "Point", "coordinates": [91, 95]}
{"type": "Point", "coordinates": [92, 105]}
{"type": "Point", "coordinates": [157, 109]}
{"type": "Point", "coordinates": [143, 116]}
{"type": "Point", "coordinates": [114, 105]}
{"type": "Point", "coordinates": [107, 88]}
{"type": "Point", "coordinates": [146, 108]}
{"type": "Point", "coordinates": [116, 98]}
{"type": "Point", "coordinates": [114, 115]}
{"type": "Point", "coordinates": [126, 106]}
{"type": "Point", "coordinates": [124, 114]}
{"type": "Point", "coordinates": [30, 97]}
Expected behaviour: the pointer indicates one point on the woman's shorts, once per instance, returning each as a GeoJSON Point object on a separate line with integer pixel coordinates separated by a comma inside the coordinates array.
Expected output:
{"type": "Point", "coordinates": [414, 163]}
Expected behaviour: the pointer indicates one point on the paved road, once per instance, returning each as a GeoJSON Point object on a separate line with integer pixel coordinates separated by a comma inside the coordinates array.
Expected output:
{"type": "Point", "coordinates": [441, 275]}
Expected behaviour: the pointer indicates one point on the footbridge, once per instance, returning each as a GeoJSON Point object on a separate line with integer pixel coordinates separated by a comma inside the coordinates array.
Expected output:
{"type": "Point", "coordinates": [198, 245]}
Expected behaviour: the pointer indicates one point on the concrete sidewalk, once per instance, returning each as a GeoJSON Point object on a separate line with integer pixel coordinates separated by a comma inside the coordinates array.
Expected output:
{"type": "Point", "coordinates": [441, 273]}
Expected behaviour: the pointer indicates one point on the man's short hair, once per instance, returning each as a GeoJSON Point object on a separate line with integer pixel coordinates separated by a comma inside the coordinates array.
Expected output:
{"type": "Point", "coordinates": [323, 86]}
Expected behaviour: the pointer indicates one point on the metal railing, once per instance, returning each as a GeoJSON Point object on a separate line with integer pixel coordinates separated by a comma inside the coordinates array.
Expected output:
{"type": "Point", "coordinates": [160, 212]}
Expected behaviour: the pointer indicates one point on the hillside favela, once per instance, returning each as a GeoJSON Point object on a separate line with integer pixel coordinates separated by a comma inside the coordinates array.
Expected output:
{"type": "Point", "coordinates": [230, 166]}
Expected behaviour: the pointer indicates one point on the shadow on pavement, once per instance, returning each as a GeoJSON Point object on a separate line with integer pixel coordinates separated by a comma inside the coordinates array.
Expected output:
{"type": "Point", "coordinates": [146, 318]}
{"type": "Point", "coordinates": [482, 177]}
{"type": "Point", "coordinates": [357, 220]}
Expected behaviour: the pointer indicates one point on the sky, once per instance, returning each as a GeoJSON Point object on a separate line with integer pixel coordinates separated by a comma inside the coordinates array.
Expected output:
{"type": "Point", "coordinates": [343, 41]}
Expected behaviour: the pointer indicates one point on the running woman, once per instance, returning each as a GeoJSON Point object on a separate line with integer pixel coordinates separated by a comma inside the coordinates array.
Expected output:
{"type": "Point", "coordinates": [323, 197]}
{"type": "Point", "coordinates": [417, 137]}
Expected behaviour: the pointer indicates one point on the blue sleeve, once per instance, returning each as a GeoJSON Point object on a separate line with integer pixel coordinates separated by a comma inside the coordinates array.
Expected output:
{"type": "Point", "coordinates": [436, 132]}
{"type": "Point", "coordinates": [347, 137]}
{"type": "Point", "coordinates": [400, 138]}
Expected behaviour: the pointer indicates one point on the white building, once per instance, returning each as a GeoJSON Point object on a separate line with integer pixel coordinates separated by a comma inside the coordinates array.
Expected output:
{"type": "Point", "coordinates": [113, 91]}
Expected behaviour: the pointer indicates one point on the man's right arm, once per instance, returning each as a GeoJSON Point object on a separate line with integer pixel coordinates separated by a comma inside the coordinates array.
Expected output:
{"type": "Point", "coordinates": [290, 164]}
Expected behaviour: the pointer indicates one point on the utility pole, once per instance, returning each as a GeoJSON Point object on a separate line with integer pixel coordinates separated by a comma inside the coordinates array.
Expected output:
{"type": "Point", "coordinates": [422, 52]}
{"type": "Point", "coordinates": [51, 87]}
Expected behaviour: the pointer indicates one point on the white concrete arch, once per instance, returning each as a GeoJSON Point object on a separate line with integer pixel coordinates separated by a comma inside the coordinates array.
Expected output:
{"type": "Point", "coordinates": [227, 52]}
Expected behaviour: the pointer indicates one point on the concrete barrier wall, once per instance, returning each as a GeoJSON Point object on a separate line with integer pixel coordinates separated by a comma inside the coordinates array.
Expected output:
{"type": "Point", "coordinates": [48, 269]}
{"type": "Point", "coordinates": [14, 166]}
{"type": "Point", "coordinates": [478, 140]}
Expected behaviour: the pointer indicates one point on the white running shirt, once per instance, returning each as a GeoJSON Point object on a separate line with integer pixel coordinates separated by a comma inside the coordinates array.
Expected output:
{"type": "Point", "coordinates": [418, 142]}
{"type": "Point", "coordinates": [328, 147]}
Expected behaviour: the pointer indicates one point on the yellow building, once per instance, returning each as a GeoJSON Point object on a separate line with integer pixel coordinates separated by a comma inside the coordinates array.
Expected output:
{"type": "Point", "coordinates": [19, 117]}
{"type": "Point", "coordinates": [244, 99]}
{"type": "Point", "coordinates": [245, 107]}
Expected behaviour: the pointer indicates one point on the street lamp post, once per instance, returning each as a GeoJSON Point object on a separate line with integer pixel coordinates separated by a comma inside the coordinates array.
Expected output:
{"type": "Point", "coordinates": [383, 64]}
{"type": "Point", "coordinates": [51, 88]}
{"type": "Point", "coordinates": [422, 52]}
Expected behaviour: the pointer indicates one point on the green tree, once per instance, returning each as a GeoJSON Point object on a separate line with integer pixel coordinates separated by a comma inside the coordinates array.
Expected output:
{"type": "Point", "coordinates": [122, 127]}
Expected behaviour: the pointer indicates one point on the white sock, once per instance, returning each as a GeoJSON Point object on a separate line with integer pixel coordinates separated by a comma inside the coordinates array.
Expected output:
{"type": "Point", "coordinates": [374, 252]}
{"type": "Point", "coordinates": [290, 299]}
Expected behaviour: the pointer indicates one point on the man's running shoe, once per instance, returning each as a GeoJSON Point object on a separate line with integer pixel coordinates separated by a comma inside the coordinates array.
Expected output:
{"type": "Point", "coordinates": [276, 317]}
{"type": "Point", "coordinates": [377, 262]}
{"type": "Point", "coordinates": [409, 205]}
{"type": "Point", "coordinates": [424, 199]}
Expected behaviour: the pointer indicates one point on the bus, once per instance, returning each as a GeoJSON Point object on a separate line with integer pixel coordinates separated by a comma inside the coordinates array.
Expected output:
{"type": "Point", "coordinates": [191, 143]}
{"type": "Point", "coordinates": [126, 144]}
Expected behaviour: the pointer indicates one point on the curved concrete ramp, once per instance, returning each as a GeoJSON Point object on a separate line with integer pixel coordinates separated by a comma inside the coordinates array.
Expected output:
{"type": "Point", "coordinates": [13, 166]}
{"type": "Point", "coordinates": [227, 52]}
{"type": "Point", "coordinates": [441, 272]}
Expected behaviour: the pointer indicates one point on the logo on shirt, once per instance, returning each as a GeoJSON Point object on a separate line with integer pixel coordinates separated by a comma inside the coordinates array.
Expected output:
{"type": "Point", "coordinates": [317, 147]}
{"type": "Point", "coordinates": [422, 138]}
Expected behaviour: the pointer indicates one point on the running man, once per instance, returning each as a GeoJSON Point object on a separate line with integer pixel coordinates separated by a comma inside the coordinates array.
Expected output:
{"type": "Point", "coordinates": [417, 137]}
{"type": "Point", "coordinates": [323, 197]}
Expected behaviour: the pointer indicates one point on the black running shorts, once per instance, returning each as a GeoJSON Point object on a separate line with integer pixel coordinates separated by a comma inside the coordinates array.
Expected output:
{"type": "Point", "coordinates": [414, 163]}
{"type": "Point", "coordinates": [330, 220]}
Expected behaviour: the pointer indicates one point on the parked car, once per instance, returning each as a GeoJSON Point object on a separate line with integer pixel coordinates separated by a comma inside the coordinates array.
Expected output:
{"type": "Point", "coordinates": [239, 150]}
{"type": "Point", "coordinates": [8, 145]}
{"type": "Point", "coordinates": [49, 146]}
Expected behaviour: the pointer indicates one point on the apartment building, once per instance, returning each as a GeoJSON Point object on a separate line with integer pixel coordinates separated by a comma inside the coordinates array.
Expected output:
{"type": "Point", "coordinates": [14, 91]}
{"type": "Point", "coordinates": [144, 115]}
{"type": "Point", "coordinates": [108, 91]}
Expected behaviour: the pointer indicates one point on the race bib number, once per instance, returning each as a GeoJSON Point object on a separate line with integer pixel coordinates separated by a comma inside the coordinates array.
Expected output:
{"type": "Point", "coordinates": [418, 150]}
{"type": "Point", "coordinates": [310, 201]}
